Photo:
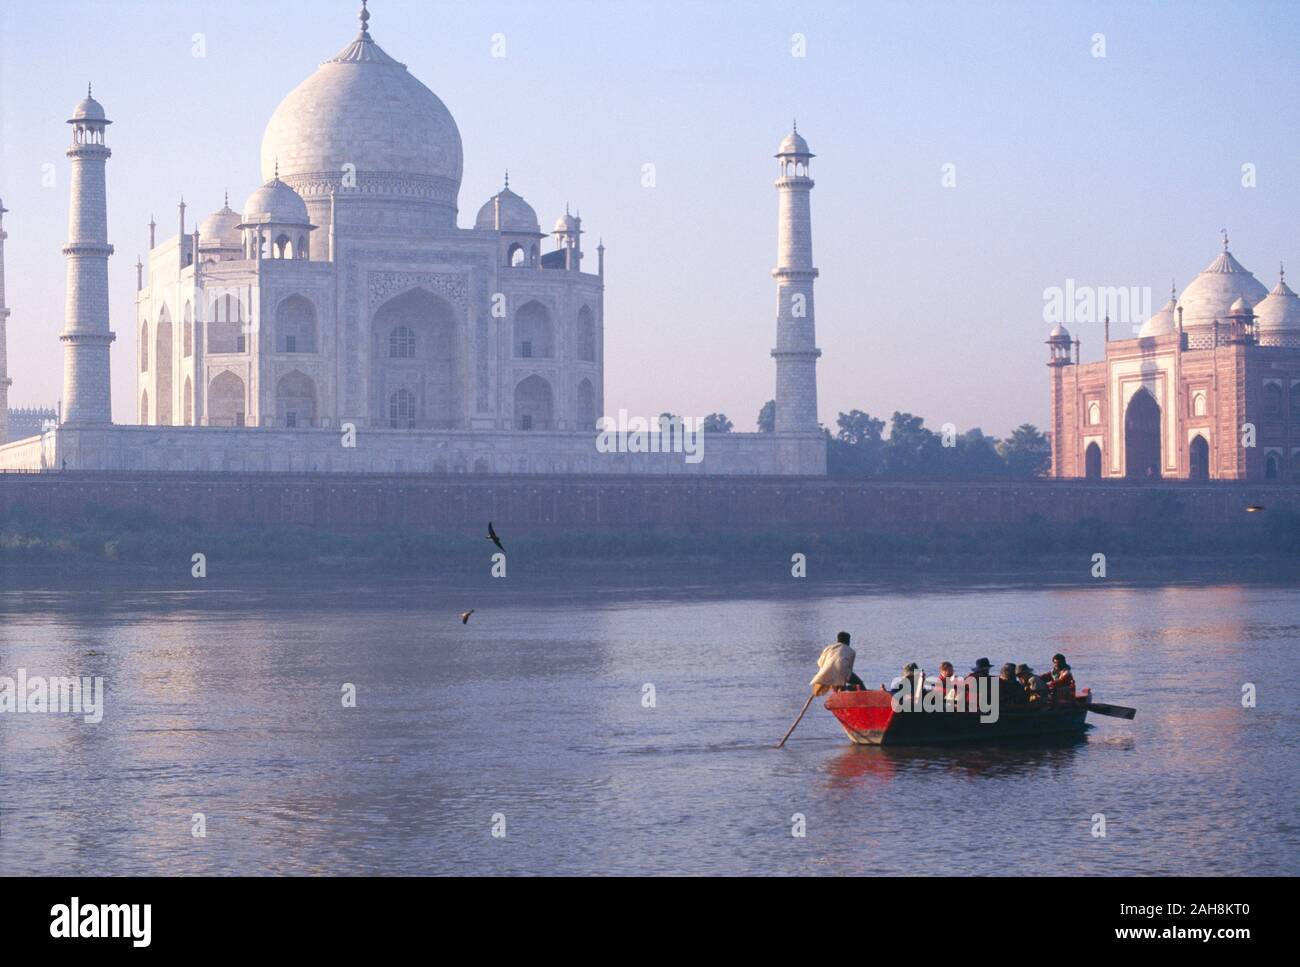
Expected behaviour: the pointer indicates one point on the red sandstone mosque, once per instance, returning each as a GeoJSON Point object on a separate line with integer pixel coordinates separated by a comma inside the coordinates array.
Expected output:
{"type": "Point", "coordinates": [1209, 388]}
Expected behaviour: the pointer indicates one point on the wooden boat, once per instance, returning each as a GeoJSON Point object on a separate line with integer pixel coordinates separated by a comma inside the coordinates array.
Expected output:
{"type": "Point", "coordinates": [869, 718]}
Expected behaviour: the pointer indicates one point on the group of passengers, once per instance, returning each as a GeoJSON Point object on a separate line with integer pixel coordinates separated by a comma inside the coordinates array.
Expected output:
{"type": "Point", "coordinates": [1017, 685]}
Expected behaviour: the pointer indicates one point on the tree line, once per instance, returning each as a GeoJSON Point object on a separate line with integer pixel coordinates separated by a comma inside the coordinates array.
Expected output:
{"type": "Point", "coordinates": [859, 447]}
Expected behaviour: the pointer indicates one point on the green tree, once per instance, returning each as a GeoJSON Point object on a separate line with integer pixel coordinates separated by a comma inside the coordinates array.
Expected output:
{"type": "Point", "coordinates": [912, 450]}
{"type": "Point", "coordinates": [856, 448]}
{"type": "Point", "coordinates": [767, 417]}
{"type": "Point", "coordinates": [717, 423]}
{"type": "Point", "coordinates": [1027, 452]}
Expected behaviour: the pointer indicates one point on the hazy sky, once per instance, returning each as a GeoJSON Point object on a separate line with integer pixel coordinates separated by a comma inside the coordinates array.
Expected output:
{"type": "Point", "coordinates": [1112, 171]}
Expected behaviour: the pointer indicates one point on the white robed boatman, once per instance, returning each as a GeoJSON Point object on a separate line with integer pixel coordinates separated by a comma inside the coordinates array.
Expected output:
{"type": "Point", "coordinates": [835, 667]}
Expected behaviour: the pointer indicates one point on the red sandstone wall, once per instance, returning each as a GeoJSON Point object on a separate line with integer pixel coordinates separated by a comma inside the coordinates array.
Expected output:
{"type": "Point", "coordinates": [759, 503]}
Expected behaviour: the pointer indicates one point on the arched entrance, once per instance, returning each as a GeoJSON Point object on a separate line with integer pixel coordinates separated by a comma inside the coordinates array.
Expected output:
{"type": "Point", "coordinates": [295, 401]}
{"type": "Point", "coordinates": [417, 346]}
{"type": "Point", "coordinates": [1092, 462]}
{"type": "Point", "coordinates": [1142, 437]}
{"type": "Point", "coordinates": [534, 405]}
{"type": "Point", "coordinates": [1198, 459]}
{"type": "Point", "coordinates": [162, 361]}
{"type": "Point", "coordinates": [226, 400]}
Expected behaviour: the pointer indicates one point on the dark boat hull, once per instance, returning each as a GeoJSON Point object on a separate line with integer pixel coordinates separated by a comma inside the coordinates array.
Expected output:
{"type": "Point", "coordinates": [868, 718]}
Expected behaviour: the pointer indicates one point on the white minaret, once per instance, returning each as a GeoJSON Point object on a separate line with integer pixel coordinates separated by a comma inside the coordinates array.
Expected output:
{"type": "Point", "coordinates": [5, 381]}
{"type": "Point", "coordinates": [796, 349]}
{"type": "Point", "coordinates": [86, 394]}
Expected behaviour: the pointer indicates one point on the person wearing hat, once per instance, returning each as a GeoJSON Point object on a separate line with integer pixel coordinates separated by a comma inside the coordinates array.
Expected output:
{"type": "Point", "coordinates": [1060, 683]}
{"type": "Point", "coordinates": [909, 681]}
{"type": "Point", "coordinates": [983, 669]}
{"type": "Point", "coordinates": [1035, 690]}
{"type": "Point", "coordinates": [835, 667]}
{"type": "Point", "coordinates": [1011, 694]}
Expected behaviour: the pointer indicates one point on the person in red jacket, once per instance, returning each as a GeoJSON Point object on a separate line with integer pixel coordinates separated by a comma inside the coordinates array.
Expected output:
{"type": "Point", "coordinates": [1060, 683]}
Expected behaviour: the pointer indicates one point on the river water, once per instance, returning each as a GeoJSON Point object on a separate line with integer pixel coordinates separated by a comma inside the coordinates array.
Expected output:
{"type": "Point", "coordinates": [535, 720]}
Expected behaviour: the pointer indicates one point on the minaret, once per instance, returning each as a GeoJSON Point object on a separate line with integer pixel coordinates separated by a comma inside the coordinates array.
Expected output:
{"type": "Point", "coordinates": [5, 381]}
{"type": "Point", "coordinates": [87, 396]}
{"type": "Point", "coordinates": [796, 349]}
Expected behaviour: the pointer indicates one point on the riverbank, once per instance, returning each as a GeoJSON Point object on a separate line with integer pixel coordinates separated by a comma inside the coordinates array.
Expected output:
{"type": "Point", "coordinates": [140, 540]}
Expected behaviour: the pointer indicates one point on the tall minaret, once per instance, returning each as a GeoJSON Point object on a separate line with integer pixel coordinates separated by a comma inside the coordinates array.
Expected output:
{"type": "Point", "coordinates": [86, 337]}
{"type": "Point", "coordinates": [796, 349]}
{"type": "Point", "coordinates": [5, 381]}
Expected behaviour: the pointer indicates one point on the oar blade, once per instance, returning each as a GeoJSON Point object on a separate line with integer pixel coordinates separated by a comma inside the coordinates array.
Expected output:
{"type": "Point", "coordinates": [1114, 711]}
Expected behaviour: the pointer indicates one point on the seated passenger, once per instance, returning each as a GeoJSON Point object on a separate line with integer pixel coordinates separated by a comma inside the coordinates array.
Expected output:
{"type": "Point", "coordinates": [947, 683]}
{"type": "Point", "coordinates": [1011, 694]}
{"type": "Point", "coordinates": [983, 669]}
{"type": "Point", "coordinates": [1035, 688]}
{"type": "Point", "coordinates": [1060, 683]}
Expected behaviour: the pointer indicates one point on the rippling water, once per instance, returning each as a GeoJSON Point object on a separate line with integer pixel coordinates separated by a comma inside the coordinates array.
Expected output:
{"type": "Point", "coordinates": [227, 702]}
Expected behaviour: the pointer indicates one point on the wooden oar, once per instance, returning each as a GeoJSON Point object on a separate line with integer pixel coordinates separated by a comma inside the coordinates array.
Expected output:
{"type": "Point", "coordinates": [796, 721]}
{"type": "Point", "coordinates": [1114, 711]}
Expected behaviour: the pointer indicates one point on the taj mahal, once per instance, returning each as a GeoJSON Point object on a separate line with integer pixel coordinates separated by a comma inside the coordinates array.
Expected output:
{"type": "Point", "coordinates": [342, 321]}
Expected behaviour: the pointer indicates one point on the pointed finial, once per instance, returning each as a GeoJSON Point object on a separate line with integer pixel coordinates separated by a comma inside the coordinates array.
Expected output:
{"type": "Point", "coordinates": [566, 208]}
{"type": "Point", "coordinates": [1173, 290]}
{"type": "Point", "coordinates": [227, 201]}
{"type": "Point", "coordinates": [795, 126]}
{"type": "Point", "coordinates": [88, 89]}
{"type": "Point", "coordinates": [365, 17]}
{"type": "Point", "coordinates": [1281, 273]}
{"type": "Point", "coordinates": [1224, 233]}
{"type": "Point", "coordinates": [277, 167]}
{"type": "Point", "coordinates": [507, 178]}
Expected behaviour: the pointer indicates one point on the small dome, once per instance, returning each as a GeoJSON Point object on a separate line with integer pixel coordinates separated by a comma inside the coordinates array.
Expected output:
{"type": "Point", "coordinates": [1211, 294]}
{"type": "Point", "coordinates": [1059, 334]}
{"type": "Point", "coordinates": [220, 229]}
{"type": "Point", "coordinates": [794, 144]}
{"type": "Point", "coordinates": [567, 224]}
{"type": "Point", "coordinates": [275, 202]}
{"type": "Point", "coordinates": [1240, 307]}
{"type": "Point", "coordinates": [516, 215]}
{"type": "Point", "coordinates": [1279, 310]}
{"type": "Point", "coordinates": [88, 110]}
{"type": "Point", "coordinates": [1162, 323]}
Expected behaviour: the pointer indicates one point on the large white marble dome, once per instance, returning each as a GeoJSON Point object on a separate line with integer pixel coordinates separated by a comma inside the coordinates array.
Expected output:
{"type": "Point", "coordinates": [1211, 294]}
{"type": "Point", "coordinates": [364, 109]}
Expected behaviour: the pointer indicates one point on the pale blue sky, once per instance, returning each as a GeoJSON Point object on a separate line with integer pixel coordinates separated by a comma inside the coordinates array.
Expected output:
{"type": "Point", "coordinates": [1115, 171]}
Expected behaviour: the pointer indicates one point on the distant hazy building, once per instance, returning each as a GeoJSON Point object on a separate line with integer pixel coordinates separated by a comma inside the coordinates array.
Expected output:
{"type": "Point", "coordinates": [344, 299]}
{"type": "Point", "coordinates": [1209, 389]}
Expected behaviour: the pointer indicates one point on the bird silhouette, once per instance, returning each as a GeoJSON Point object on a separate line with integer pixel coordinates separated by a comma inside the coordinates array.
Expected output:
{"type": "Point", "coordinates": [464, 616]}
{"type": "Point", "coordinates": [492, 536]}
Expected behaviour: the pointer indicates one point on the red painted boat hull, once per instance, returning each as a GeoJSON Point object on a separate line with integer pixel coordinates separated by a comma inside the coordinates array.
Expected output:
{"type": "Point", "coordinates": [869, 718]}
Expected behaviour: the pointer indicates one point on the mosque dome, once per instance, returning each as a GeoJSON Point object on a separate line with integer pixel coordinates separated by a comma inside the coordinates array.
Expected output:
{"type": "Point", "coordinates": [364, 115]}
{"type": "Point", "coordinates": [566, 224]}
{"type": "Point", "coordinates": [89, 110]}
{"type": "Point", "coordinates": [275, 202]}
{"type": "Point", "coordinates": [1059, 334]}
{"type": "Point", "coordinates": [1211, 294]}
{"type": "Point", "coordinates": [508, 212]}
{"type": "Point", "coordinates": [1279, 311]}
{"type": "Point", "coordinates": [221, 228]}
{"type": "Point", "coordinates": [1162, 323]}
{"type": "Point", "coordinates": [1240, 307]}
{"type": "Point", "coordinates": [794, 144]}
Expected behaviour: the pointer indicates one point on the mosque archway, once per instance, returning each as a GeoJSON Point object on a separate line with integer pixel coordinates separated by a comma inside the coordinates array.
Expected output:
{"type": "Point", "coordinates": [1198, 459]}
{"type": "Point", "coordinates": [418, 345]}
{"type": "Point", "coordinates": [295, 326]}
{"type": "Point", "coordinates": [534, 404]}
{"type": "Point", "coordinates": [1272, 467]}
{"type": "Point", "coordinates": [1092, 462]}
{"type": "Point", "coordinates": [144, 408]}
{"type": "Point", "coordinates": [1142, 437]}
{"type": "Point", "coordinates": [534, 335]}
{"type": "Point", "coordinates": [163, 365]}
{"type": "Point", "coordinates": [585, 406]}
{"type": "Point", "coordinates": [586, 335]}
{"type": "Point", "coordinates": [295, 400]}
{"type": "Point", "coordinates": [188, 402]}
{"type": "Point", "coordinates": [226, 400]}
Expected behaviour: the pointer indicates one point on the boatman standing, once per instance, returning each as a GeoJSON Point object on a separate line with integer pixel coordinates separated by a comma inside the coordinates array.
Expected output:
{"type": "Point", "coordinates": [835, 666]}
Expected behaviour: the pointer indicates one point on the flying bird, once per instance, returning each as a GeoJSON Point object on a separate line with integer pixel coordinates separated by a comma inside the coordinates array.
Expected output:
{"type": "Point", "coordinates": [464, 616]}
{"type": "Point", "coordinates": [492, 536]}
